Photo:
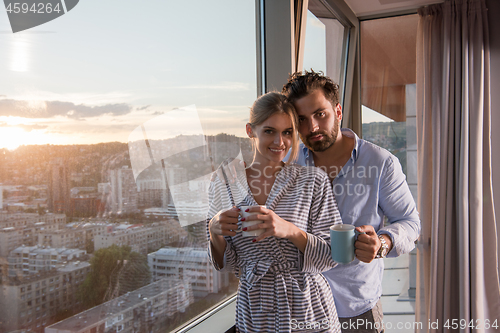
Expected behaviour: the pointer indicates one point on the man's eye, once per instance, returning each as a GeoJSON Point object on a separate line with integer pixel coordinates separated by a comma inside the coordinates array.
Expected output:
{"type": "Point", "coordinates": [268, 131]}
{"type": "Point", "coordinates": [301, 120]}
{"type": "Point", "coordinates": [321, 114]}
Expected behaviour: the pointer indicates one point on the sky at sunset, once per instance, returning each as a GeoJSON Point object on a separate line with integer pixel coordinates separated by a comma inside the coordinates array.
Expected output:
{"type": "Point", "coordinates": [106, 67]}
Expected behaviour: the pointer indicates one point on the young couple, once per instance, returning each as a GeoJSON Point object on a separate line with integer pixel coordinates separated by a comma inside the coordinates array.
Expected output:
{"type": "Point", "coordinates": [281, 286]}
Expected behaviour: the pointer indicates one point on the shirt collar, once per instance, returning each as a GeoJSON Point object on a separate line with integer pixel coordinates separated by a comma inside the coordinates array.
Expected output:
{"type": "Point", "coordinates": [349, 133]}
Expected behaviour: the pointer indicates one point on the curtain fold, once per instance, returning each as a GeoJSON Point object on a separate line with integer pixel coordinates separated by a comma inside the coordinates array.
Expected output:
{"type": "Point", "coordinates": [458, 274]}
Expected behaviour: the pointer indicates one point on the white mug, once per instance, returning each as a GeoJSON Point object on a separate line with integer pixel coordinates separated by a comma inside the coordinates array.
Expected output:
{"type": "Point", "coordinates": [246, 224]}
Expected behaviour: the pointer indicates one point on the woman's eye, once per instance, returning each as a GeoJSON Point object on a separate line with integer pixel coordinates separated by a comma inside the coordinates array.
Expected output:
{"type": "Point", "coordinates": [287, 132]}
{"type": "Point", "coordinates": [321, 114]}
{"type": "Point", "coordinates": [301, 120]}
{"type": "Point", "coordinates": [268, 131]}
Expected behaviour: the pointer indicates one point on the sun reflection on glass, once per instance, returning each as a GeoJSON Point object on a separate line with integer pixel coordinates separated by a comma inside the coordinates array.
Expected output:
{"type": "Point", "coordinates": [20, 53]}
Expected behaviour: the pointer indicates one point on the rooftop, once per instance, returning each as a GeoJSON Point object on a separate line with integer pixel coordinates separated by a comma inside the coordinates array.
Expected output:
{"type": "Point", "coordinates": [116, 306]}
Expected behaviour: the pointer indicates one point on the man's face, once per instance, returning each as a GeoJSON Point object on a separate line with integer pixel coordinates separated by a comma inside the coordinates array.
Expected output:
{"type": "Point", "coordinates": [318, 121]}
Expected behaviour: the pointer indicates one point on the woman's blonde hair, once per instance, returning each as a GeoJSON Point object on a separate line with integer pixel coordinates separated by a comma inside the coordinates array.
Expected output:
{"type": "Point", "coordinates": [275, 103]}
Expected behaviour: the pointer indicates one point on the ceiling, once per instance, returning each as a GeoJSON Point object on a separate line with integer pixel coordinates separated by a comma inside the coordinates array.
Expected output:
{"type": "Point", "coordinates": [377, 7]}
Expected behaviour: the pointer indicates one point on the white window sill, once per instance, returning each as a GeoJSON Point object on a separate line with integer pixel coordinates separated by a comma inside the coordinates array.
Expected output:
{"type": "Point", "coordinates": [217, 320]}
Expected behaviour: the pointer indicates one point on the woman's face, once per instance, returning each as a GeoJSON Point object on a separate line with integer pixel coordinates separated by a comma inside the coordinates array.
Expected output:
{"type": "Point", "coordinates": [273, 138]}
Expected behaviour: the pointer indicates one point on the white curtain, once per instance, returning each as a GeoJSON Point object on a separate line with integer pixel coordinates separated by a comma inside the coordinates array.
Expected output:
{"type": "Point", "coordinates": [458, 275]}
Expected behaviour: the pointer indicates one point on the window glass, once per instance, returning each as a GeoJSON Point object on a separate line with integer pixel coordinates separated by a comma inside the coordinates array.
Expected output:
{"type": "Point", "coordinates": [388, 86]}
{"type": "Point", "coordinates": [112, 117]}
{"type": "Point", "coordinates": [315, 44]}
{"type": "Point", "coordinates": [324, 45]}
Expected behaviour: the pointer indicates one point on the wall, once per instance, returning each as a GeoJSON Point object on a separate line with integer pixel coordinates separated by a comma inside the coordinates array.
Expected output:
{"type": "Point", "coordinates": [494, 28]}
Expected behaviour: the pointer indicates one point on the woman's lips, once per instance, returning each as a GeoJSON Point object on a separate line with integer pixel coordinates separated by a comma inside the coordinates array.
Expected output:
{"type": "Point", "coordinates": [276, 150]}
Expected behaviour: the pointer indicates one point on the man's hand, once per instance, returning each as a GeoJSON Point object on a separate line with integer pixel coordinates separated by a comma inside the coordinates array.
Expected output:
{"type": "Point", "coordinates": [368, 244]}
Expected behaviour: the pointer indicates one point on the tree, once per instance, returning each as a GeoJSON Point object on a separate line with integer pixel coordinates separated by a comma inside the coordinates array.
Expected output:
{"type": "Point", "coordinates": [89, 246]}
{"type": "Point", "coordinates": [115, 271]}
{"type": "Point", "coordinates": [135, 273]}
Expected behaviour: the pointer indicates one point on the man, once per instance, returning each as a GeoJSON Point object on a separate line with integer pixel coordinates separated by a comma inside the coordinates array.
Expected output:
{"type": "Point", "coordinates": [368, 184]}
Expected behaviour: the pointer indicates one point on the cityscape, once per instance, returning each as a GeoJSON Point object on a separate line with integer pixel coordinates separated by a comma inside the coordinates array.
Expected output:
{"type": "Point", "coordinates": [86, 245]}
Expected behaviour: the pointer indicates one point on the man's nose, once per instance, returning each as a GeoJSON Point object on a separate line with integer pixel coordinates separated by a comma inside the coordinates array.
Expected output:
{"type": "Point", "coordinates": [313, 125]}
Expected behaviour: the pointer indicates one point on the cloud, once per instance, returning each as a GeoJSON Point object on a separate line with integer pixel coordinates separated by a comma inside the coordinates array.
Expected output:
{"type": "Point", "coordinates": [143, 108]}
{"type": "Point", "coordinates": [232, 86]}
{"type": "Point", "coordinates": [49, 109]}
{"type": "Point", "coordinates": [26, 127]}
{"type": "Point", "coordinates": [83, 128]}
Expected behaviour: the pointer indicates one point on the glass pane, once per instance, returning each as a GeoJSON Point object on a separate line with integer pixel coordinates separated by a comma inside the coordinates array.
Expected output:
{"type": "Point", "coordinates": [112, 118]}
{"type": "Point", "coordinates": [315, 45]}
{"type": "Point", "coordinates": [324, 42]}
{"type": "Point", "coordinates": [388, 67]}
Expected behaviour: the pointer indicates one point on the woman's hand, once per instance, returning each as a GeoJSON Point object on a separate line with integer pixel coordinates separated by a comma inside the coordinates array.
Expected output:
{"type": "Point", "coordinates": [225, 223]}
{"type": "Point", "coordinates": [275, 226]}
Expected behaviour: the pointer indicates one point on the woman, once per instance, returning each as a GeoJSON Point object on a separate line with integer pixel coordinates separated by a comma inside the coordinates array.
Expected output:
{"type": "Point", "coordinates": [281, 288]}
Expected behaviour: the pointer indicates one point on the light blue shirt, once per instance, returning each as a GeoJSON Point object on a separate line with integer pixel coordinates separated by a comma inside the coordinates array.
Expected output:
{"type": "Point", "coordinates": [369, 186]}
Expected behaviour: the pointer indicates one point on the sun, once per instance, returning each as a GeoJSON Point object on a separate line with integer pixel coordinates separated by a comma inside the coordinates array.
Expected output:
{"type": "Point", "coordinates": [13, 137]}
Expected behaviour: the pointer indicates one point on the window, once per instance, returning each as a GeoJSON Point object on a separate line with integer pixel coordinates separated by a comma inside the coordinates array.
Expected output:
{"type": "Point", "coordinates": [388, 68]}
{"type": "Point", "coordinates": [326, 42]}
{"type": "Point", "coordinates": [388, 91]}
{"type": "Point", "coordinates": [89, 89]}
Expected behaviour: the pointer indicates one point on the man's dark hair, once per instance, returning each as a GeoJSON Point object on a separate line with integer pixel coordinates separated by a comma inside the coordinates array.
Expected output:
{"type": "Point", "coordinates": [301, 84]}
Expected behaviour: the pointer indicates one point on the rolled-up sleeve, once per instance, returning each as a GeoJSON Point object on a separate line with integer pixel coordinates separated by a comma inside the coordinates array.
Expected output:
{"type": "Point", "coordinates": [398, 205]}
{"type": "Point", "coordinates": [215, 193]}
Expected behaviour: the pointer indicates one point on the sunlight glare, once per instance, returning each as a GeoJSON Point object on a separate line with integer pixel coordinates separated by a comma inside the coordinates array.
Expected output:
{"type": "Point", "coordinates": [20, 53]}
{"type": "Point", "coordinates": [13, 137]}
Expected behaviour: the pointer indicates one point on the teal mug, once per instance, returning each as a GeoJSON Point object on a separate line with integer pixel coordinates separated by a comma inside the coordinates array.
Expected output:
{"type": "Point", "coordinates": [342, 238]}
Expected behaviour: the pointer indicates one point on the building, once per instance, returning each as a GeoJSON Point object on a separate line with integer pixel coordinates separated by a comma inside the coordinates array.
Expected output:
{"type": "Point", "coordinates": [123, 191]}
{"type": "Point", "coordinates": [10, 238]}
{"type": "Point", "coordinates": [103, 188]}
{"type": "Point", "coordinates": [33, 302]}
{"type": "Point", "coordinates": [22, 229]}
{"type": "Point", "coordinates": [140, 238]}
{"type": "Point", "coordinates": [65, 237]}
{"type": "Point", "coordinates": [28, 260]}
{"type": "Point", "coordinates": [150, 198]}
{"type": "Point", "coordinates": [72, 235]}
{"type": "Point", "coordinates": [59, 186]}
{"type": "Point", "coordinates": [84, 207]}
{"type": "Point", "coordinates": [46, 221]}
{"type": "Point", "coordinates": [92, 229]}
{"type": "Point", "coordinates": [142, 310]}
{"type": "Point", "coordinates": [188, 264]}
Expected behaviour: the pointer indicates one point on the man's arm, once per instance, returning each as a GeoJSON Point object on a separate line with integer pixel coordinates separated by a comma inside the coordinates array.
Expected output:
{"type": "Point", "coordinates": [398, 205]}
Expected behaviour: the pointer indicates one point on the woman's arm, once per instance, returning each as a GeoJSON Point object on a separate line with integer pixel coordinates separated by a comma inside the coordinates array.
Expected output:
{"type": "Point", "coordinates": [323, 214]}
{"type": "Point", "coordinates": [275, 226]}
{"type": "Point", "coordinates": [220, 223]}
{"type": "Point", "coordinates": [223, 223]}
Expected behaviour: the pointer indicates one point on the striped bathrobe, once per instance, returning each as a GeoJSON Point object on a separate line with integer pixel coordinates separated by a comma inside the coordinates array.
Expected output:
{"type": "Point", "coordinates": [281, 289]}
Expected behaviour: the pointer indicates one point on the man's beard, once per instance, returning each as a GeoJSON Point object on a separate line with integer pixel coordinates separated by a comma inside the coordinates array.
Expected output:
{"type": "Point", "coordinates": [326, 142]}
